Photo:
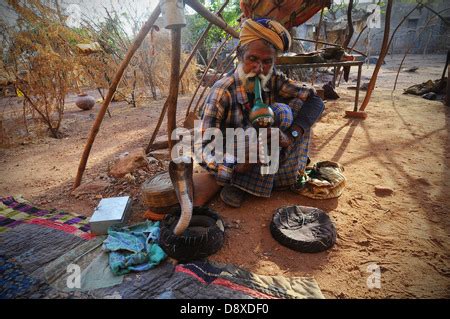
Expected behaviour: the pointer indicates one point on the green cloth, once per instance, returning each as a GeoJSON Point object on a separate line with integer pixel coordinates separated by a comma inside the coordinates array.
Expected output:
{"type": "Point", "coordinates": [98, 274]}
{"type": "Point", "coordinates": [134, 248]}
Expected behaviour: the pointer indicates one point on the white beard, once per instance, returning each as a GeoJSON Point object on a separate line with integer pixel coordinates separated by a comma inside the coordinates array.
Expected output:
{"type": "Point", "coordinates": [265, 79]}
{"type": "Point", "coordinates": [245, 76]}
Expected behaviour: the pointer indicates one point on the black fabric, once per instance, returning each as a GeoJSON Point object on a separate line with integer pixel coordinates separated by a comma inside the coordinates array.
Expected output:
{"type": "Point", "coordinates": [329, 92]}
{"type": "Point", "coordinates": [304, 229]}
{"type": "Point", "coordinates": [202, 238]}
{"type": "Point", "coordinates": [346, 73]}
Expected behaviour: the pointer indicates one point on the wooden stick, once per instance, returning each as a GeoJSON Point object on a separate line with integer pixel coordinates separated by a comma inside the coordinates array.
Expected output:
{"type": "Point", "coordinates": [348, 37]}
{"type": "Point", "coordinates": [204, 74]}
{"type": "Point", "coordinates": [401, 22]}
{"type": "Point", "coordinates": [332, 44]}
{"type": "Point", "coordinates": [351, 30]}
{"type": "Point", "coordinates": [384, 49]}
{"type": "Point", "coordinates": [211, 80]}
{"type": "Point", "coordinates": [194, 51]}
{"type": "Point", "coordinates": [447, 61]}
{"type": "Point", "coordinates": [418, 30]}
{"type": "Point", "coordinates": [319, 28]}
{"type": "Point", "coordinates": [313, 77]}
{"type": "Point", "coordinates": [112, 89]}
{"type": "Point", "coordinates": [447, 98]}
{"type": "Point", "coordinates": [174, 84]}
{"type": "Point", "coordinates": [205, 13]}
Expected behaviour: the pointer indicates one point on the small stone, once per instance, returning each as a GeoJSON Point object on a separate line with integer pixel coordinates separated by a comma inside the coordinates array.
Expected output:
{"type": "Point", "coordinates": [90, 188]}
{"type": "Point", "coordinates": [383, 191]}
{"type": "Point", "coordinates": [124, 154]}
{"type": "Point", "coordinates": [134, 160]}
{"type": "Point", "coordinates": [423, 181]}
{"type": "Point", "coordinates": [152, 160]}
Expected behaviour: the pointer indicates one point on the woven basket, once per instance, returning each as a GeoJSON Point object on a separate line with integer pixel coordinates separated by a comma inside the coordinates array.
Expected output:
{"type": "Point", "coordinates": [158, 192]}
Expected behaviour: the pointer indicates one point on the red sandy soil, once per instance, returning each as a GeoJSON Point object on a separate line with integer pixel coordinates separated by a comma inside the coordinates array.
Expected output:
{"type": "Point", "coordinates": [403, 145]}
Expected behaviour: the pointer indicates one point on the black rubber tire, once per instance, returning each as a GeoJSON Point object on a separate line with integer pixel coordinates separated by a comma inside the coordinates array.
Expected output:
{"type": "Point", "coordinates": [304, 229]}
{"type": "Point", "coordinates": [203, 237]}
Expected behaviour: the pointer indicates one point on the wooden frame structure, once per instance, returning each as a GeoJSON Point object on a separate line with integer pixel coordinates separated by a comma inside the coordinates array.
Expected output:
{"type": "Point", "coordinates": [174, 76]}
{"type": "Point", "coordinates": [171, 102]}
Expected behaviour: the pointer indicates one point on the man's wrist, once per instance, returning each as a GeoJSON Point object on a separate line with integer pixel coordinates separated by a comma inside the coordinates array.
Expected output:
{"type": "Point", "coordinates": [296, 131]}
{"type": "Point", "coordinates": [286, 139]}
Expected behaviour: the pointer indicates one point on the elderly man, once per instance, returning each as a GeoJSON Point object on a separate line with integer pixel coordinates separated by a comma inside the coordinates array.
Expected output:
{"type": "Point", "coordinates": [296, 108]}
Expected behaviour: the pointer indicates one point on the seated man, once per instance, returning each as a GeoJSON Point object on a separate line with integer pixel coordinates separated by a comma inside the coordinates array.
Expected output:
{"type": "Point", "coordinates": [296, 108]}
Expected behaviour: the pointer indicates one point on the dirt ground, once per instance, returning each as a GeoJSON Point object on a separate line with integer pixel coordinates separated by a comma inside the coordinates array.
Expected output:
{"type": "Point", "coordinates": [404, 144]}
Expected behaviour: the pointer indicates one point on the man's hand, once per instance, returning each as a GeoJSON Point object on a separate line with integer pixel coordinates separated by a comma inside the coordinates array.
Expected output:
{"type": "Point", "coordinates": [285, 139]}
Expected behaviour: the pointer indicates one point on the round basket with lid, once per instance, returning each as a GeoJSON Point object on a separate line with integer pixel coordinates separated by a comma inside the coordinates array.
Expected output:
{"type": "Point", "coordinates": [158, 192]}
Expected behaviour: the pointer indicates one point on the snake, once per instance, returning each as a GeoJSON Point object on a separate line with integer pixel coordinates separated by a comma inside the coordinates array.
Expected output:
{"type": "Point", "coordinates": [181, 172]}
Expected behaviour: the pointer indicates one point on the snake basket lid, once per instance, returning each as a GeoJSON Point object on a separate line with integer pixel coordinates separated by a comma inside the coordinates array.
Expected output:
{"type": "Point", "coordinates": [158, 191]}
{"type": "Point", "coordinates": [304, 229]}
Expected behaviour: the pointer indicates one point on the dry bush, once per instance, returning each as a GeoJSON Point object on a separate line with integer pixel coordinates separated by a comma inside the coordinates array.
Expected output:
{"type": "Point", "coordinates": [45, 64]}
{"type": "Point", "coordinates": [41, 60]}
{"type": "Point", "coordinates": [161, 63]}
{"type": "Point", "coordinates": [149, 71]}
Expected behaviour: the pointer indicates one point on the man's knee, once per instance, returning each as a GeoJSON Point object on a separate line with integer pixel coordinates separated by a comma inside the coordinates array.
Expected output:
{"type": "Point", "coordinates": [306, 113]}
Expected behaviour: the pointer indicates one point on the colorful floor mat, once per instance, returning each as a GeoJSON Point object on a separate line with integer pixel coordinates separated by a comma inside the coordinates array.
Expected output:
{"type": "Point", "coordinates": [14, 212]}
{"type": "Point", "coordinates": [38, 249]}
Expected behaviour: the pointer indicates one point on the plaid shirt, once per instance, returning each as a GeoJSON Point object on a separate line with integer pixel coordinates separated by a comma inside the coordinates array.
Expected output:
{"type": "Point", "coordinates": [228, 106]}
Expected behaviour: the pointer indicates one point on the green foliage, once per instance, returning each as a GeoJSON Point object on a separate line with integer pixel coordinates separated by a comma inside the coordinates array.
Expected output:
{"type": "Point", "coordinates": [196, 24]}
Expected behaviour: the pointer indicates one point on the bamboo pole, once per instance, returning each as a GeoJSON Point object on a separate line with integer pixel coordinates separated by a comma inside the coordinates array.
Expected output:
{"type": "Point", "coordinates": [384, 49]}
{"type": "Point", "coordinates": [174, 83]}
{"type": "Point", "coordinates": [112, 89]}
{"type": "Point", "coordinates": [205, 13]}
